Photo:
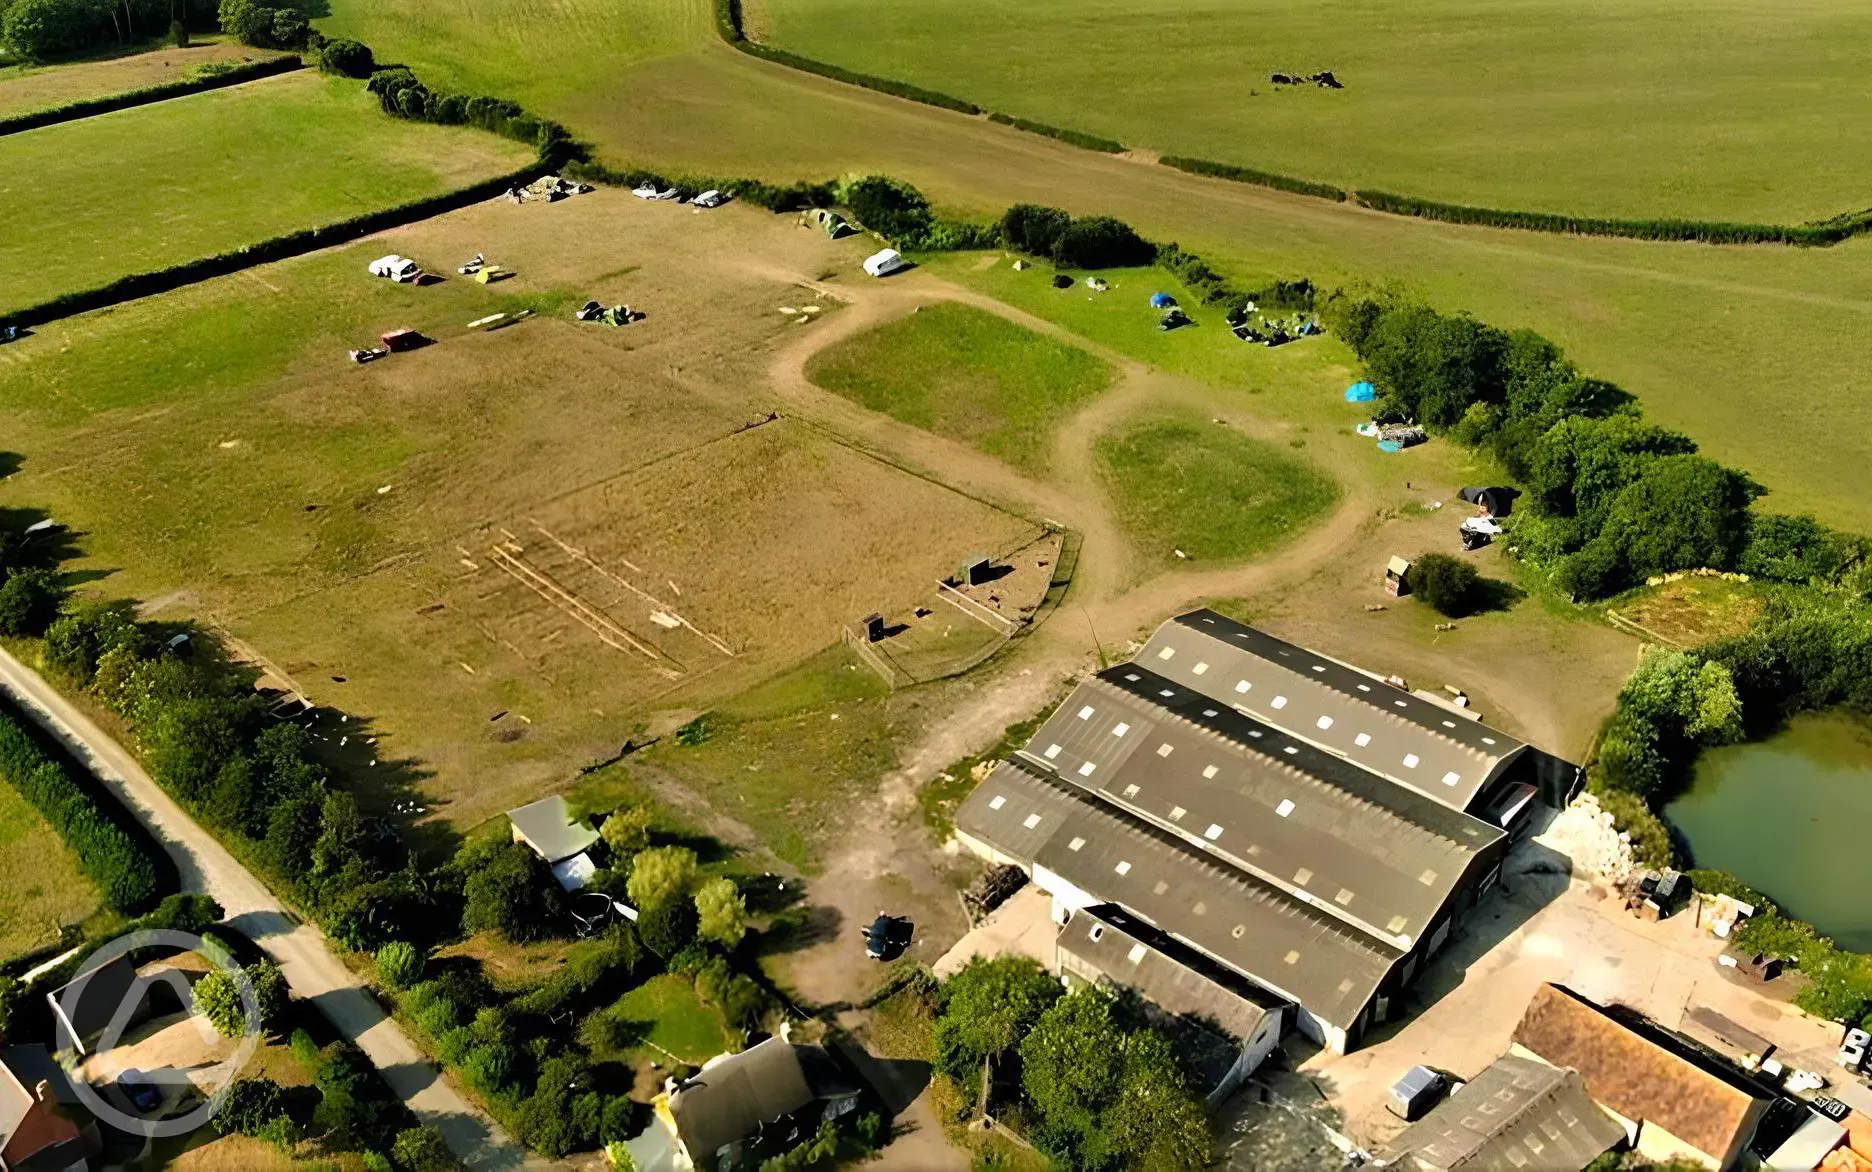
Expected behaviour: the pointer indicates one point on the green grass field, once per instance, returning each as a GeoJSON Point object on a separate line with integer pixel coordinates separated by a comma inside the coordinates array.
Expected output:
{"type": "Point", "coordinates": [138, 189]}
{"type": "Point", "coordinates": [1184, 484]}
{"type": "Point", "coordinates": [1724, 110]}
{"type": "Point", "coordinates": [674, 1021]}
{"type": "Point", "coordinates": [967, 374]}
{"type": "Point", "coordinates": [44, 890]}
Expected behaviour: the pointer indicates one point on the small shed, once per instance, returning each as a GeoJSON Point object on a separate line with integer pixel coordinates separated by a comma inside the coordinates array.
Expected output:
{"type": "Point", "coordinates": [1397, 576]}
{"type": "Point", "coordinates": [874, 628]}
{"type": "Point", "coordinates": [547, 827]}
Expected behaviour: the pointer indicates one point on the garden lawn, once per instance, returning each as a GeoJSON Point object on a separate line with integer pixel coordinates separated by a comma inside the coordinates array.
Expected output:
{"type": "Point", "coordinates": [1713, 109]}
{"type": "Point", "coordinates": [967, 374]}
{"type": "Point", "coordinates": [43, 889]}
{"type": "Point", "coordinates": [677, 1022]}
{"type": "Point", "coordinates": [1182, 484]}
{"type": "Point", "coordinates": [148, 187]}
{"type": "Point", "coordinates": [37, 87]}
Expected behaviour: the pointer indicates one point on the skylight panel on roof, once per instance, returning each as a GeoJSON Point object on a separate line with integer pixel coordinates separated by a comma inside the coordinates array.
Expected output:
{"type": "Point", "coordinates": [1242, 685]}
{"type": "Point", "coordinates": [1362, 740]}
{"type": "Point", "coordinates": [1364, 687]}
{"type": "Point", "coordinates": [1291, 749]}
{"type": "Point", "coordinates": [1209, 771]}
{"type": "Point", "coordinates": [1166, 653]}
{"type": "Point", "coordinates": [1285, 808]}
{"type": "Point", "coordinates": [1280, 702]}
{"type": "Point", "coordinates": [1449, 724]}
{"type": "Point", "coordinates": [1131, 791]}
{"type": "Point", "coordinates": [1086, 769]}
{"type": "Point", "coordinates": [1136, 955]}
{"type": "Point", "coordinates": [1033, 820]}
{"type": "Point", "coordinates": [1255, 733]}
{"type": "Point", "coordinates": [1085, 713]}
{"type": "Point", "coordinates": [1199, 669]}
{"type": "Point", "coordinates": [1123, 868]}
{"type": "Point", "coordinates": [1176, 813]}
{"type": "Point", "coordinates": [1214, 832]}
{"type": "Point", "coordinates": [1292, 957]}
{"type": "Point", "coordinates": [1410, 760]}
{"type": "Point", "coordinates": [1133, 677]}
{"type": "Point", "coordinates": [1051, 752]}
{"type": "Point", "coordinates": [1324, 722]}
{"type": "Point", "coordinates": [1075, 844]}
{"type": "Point", "coordinates": [1427, 878]}
{"type": "Point", "coordinates": [1167, 693]}
{"type": "Point", "coordinates": [999, 801]}
{"type": "Point", "coordinates": [1396, 925]}
{"type": "Point", "coordinates": [1165, 749]}
{"type": "Point", "coordinates": [1120, 729]}
{"type": "Point", "coordinates": [1303, 876]}
{"type": "Point", "coordinates": [1211, 713]}
{"type": "Point", "coordinates": [1160, 887]}
{"type": "Point", "coordinates": [1344, 897]}
{"type": "Point", "coordinates": [1319, 667]}
{"type": "Point", "coordinates": [1399, 703]}
{"type": "Point", "coordinates": [1451, 778]}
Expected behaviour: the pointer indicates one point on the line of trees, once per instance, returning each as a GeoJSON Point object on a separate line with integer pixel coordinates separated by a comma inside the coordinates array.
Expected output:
{"type": "Point", "coordinates": [1255, 176]}
{"type": "Point", "coordinates": [1100, 1087]}
{"type": "Point", "coordinates": [1611, 498]}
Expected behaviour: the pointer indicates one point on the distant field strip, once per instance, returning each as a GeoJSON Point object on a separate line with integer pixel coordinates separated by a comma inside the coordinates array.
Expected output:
{"type": "Point", "coordinates": [28, 88]}
{"type": "Point", "coordinates": [210, 172]}
{"type": "Point", "coordinates": [123, 100]}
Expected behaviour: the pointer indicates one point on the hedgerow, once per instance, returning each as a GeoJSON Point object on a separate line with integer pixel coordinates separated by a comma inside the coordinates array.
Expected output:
{"type": "Point", "coordinates": [1812, 234]}
{"type": "Point", "coordinates": [728, 24]}
{"type": "Point", "coordinates": [86, 107]}
{"type": "Point", "coordinates": [1260, 178]}
{"type": "Point", "coordinates": [122, 864]}
{"type": "Point", "coordinates": [1078, 138]}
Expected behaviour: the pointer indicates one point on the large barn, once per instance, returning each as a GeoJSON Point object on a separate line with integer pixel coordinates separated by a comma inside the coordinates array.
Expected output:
{"type": "Point", "coordinates": [1305, 825]}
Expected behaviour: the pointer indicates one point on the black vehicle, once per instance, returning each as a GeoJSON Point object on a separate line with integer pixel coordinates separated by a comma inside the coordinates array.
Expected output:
{"type": "Point", "coordinates": [888, 937]}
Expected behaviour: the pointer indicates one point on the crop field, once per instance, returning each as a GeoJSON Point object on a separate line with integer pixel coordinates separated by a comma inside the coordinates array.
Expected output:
{"type": "Point", "coordinates": [44, 890]}
{"type": "Point", "coordinates": [212, 171]}
{"type": "Point", "coordinates": [965, 373]}
{"type": "Point", "coordinates": [500, 551]}
{"type": "Point", "coordinates": [1723, 110]}
{"type": "Point", "coordinates": [36, 87]}
{"type": "Point", "coordinates": [1188, 490]}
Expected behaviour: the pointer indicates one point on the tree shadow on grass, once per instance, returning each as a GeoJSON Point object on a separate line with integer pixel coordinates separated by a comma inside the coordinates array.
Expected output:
{"type": "Point", "coordinates": [1493, 594]}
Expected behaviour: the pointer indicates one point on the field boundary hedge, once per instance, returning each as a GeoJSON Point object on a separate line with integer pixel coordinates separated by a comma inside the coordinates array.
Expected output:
{"type": "Point", "coordinates": [728, 25]}
{"type": "Point", "coordinates": [1078, 138]}
{"type": "Point", "coordinates": [121, 863]}
{"type": "Point", "coordinates": [91, 107]}
{"type": "Point", "coordinates": [276, 248]}
{"type": "Point", "coordinates": [1236, 174]}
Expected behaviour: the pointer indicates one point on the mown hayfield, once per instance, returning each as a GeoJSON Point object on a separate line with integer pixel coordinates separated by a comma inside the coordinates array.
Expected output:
{"type": "Point", "coordinates": [138, 189]}
{"type": "Point", "coordinates": [42, 885]}
{"type": "Point", "coordinates": [463, 546]}
{"type": "Point", "coordinates": [1725, 110]}
{"type": "Point", "coordinates": [968, 374]}
{"type": "Point", "coordinates": [37, 87]}
{"type": "Point", "coordinates": [1187, 486]}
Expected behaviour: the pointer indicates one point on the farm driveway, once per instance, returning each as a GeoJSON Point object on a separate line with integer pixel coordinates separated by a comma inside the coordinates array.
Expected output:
{"type": "Point", "coordinates": [311, 969]}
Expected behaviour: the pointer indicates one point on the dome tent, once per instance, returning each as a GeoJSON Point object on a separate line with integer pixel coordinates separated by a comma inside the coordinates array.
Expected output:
{"type": "Point", "coordinates": [1361, 392]}
{"type": "Point", "coordinates": [1162, 301]}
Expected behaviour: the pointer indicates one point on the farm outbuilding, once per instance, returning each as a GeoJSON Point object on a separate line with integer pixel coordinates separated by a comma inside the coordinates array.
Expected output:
{"type": "Point", "coordinates": [547, 827]}
{"type": "Point", "coordinates": [1397, 576]}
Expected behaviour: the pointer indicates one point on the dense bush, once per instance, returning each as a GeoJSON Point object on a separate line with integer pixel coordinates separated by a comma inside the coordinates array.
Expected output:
{"type": "Point", "coordinates": [1034, 228]}
{"type": "Point", "coordinates": [36, 30]}
{"type": "Point", "coordinates": [399, 964]}
{"type": "Point", "coordinates": [669, 926]}
{"type": "Point", "coordinates": [347, 58]}
{"type": "Point", "coordinates": [251, 1104]}
{"type": "Point", "coordinates": [721, 912]}
{"type": "Point", "coordinates": [1101, 242]}
{"type": "Point", "coordinates": [122, 864]}
{"type": "Point", "coordinates": [987, 1008]}
{"type": "Point", "coordinates": [511, 890]}
{"type": "Point", "coordinates": [1451, 585]}
{"type": "Point", "coordinates": [891, 208]}
{"type": "Point", "coordinates": [264, 26]}
{"type": "Point", "coordinates": [422, 1149]}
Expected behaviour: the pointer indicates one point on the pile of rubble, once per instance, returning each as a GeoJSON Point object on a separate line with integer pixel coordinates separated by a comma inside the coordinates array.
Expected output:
{"type": "Point", "coordinates": [1584, 833]}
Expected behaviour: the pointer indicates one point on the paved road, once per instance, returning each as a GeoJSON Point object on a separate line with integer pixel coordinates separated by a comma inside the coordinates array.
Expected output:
{"type": "Point", "coordinates": [306, 959]}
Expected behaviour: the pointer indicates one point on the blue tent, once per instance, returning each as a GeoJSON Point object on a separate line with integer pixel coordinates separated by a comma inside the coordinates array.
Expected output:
{"type": "Point", "coordinates": [1390, 446]}
{"type": "Point", "coordinates": [1162, 301]}
{"type": "Point", "coordinates": [1361, 392]}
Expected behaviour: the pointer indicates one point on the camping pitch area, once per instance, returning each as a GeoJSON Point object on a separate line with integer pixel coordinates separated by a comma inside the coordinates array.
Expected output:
{"type": "Point", "coordinates": [503, 548]}
{"type": "Point", "coordinates": [139, 189]}
{"type": "Point", "coordinates": [1713, 111]}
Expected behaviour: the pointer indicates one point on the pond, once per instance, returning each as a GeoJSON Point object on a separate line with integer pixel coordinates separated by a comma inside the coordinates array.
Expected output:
{"type": "Point", "coordinates": [1792, 817]}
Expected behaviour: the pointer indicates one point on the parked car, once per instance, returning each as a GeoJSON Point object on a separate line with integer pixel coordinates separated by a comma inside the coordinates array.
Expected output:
{"type": "Point", "coordinates": [395, 268]}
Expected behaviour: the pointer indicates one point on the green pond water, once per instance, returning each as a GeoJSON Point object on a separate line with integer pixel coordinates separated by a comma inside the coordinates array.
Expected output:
{"type": "Point", "coordinates": [1791, 816]}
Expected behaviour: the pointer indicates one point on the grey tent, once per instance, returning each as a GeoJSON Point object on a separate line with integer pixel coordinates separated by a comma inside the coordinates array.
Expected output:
{"type": "Point", "coordinates": [1498, 501]}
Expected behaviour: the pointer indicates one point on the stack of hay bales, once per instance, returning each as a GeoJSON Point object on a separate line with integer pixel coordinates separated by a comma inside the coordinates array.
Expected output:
{"type": "Point", "coordinates": [1585, 833]}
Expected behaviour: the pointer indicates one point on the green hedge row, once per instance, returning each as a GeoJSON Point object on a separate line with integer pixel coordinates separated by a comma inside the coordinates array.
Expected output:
{"type": "Point", "coordinates": [122, 866]}
{"type": "Point", "coordinates": [1237, 174]}
{"type": "Point", "coordinates": [290, 244]}
{"type": "Point", "coordinates": [1078, 138]}
{"type": "Point", "coordinates": [87, 107]}
{"type": "Point", "coordinates": [1818, 233]}
{"type": "Point", "coordinates": [728, 24]}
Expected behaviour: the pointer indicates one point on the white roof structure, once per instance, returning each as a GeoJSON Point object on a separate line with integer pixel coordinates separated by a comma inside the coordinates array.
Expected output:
{"type": "Point", "coordinates": [882, 263]}
{"type": "Point", "coordinates": [547, 827]}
